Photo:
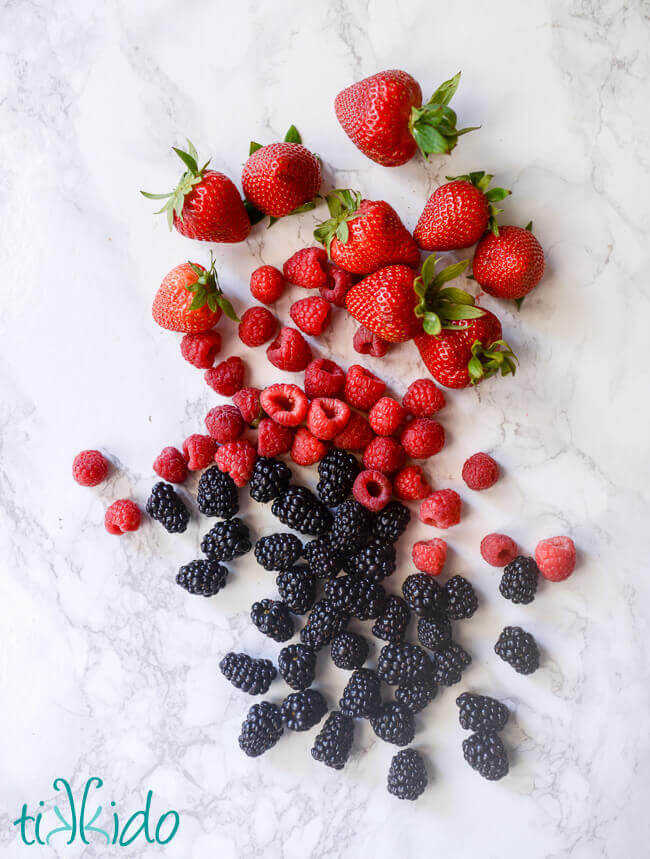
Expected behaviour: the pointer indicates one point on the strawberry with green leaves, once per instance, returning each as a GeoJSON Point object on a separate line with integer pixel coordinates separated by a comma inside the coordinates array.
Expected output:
{"type": "Point", "coordinates": [509, 263]}
{"type": "Point", "coordinates": [190, 299]}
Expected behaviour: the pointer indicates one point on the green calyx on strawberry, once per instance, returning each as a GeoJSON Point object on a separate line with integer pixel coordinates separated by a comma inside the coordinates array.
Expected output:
{"type": "Point", "coordinates": [433, 126]}
{"type": "Point", "coordinates": [192, 176]}
{"type": "Point", "coordinates": [481, 180]}
{"type": "Point", "coordinates": [343, 205]}
{"type": "Point", "coordinates": [489, 360]}
{"type": "Point", "coordinates": [207, 292]}
{"type": "Point", "coordinates": [438, 305]}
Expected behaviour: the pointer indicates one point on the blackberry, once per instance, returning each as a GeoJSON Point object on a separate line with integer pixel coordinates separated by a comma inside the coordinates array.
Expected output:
{"type": "Point", "coordinates": [323, 623]}
{"type": "Point", "coordinates": [204, 578]}
{"type": "Point", "coordinates": [392, 623]}
{"type": "Point", "coordinates": [297, 665]}
{"type": "Point", "coordinates": [394, 723]}
{"type": "Point", "coordinates": [360, 597]}
{"type": "Point", "coordinates": [434, 631]}
{"type": "Point", "coordinates": [461, 598]}
{"type": "Point", "coordinates": [297, 588]}
{"type": "Point", "coordinates": [273, 619]}
{"type": "Point", "coordinates": [486, 754]}
{"type": "Point", "coordinates": [407, 776]}
{"type": "Point", "coordinates": [390, 523]}
{"type": "Point", "coordinates": [376, 561]}
{"type": "Point", "coordinates": [519, 649]}
{"type": "Point", "coordinates": [250, 675]}
{"type": "Point", "coordinates": [480, 713]}
{"type": "Point", "coordinates": [323, 558]}
{"type": "Point", "coordinates": [298, 508]}
{"type": "Point", "coordinates": [269, 479]}
{"type": "Point", "coordinates": [519, 580]}
{"type": "Point", "coordinates": [217, 494]}
{"type": "Point", "coordinates": [362, 694]}
{"type": "Point", "coordinates": [333, 743]}
{"type": "Point", "coordinates": [166, 507]}
{"type": "Point", "coordinates": [423, 594]}
{"type": "Point", "coordinates": [278, 551]}
{"type": "Point", "coordinates": [416, 695]}
{"type": "Point", "coordinates": [402, 663]}
{"type": "Point", "coordinates": [449, 662]}
{"type": "Point", "coordinates": [349, 650]}
{"type": "Point", "coordinates": [226, 540]}
{"type": "Point", "coordinates": [337, 471]}
{"type": "Point", "coordinates": [302, 710]}
{"type": "Point", "coordinates": [261, 729]}
{"type": "Point", "coordinates": [351, 528]}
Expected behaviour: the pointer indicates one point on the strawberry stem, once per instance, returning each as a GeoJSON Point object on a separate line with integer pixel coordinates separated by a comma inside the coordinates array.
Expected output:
{"type": "Point", "coordinates": [433, 125]}
{"type": "Point", "coordinates": [481, 180]}
{"type": "Point", "coordinates": [343, 205]}
{"type": "Point", "coordinates": [486, 361]}
{"type": "Point", "coordinates": [192, 176]}
{"type": "Point", "coordinates": [439, 305]}
{"type": "Point", "coordinates": [206, 290]}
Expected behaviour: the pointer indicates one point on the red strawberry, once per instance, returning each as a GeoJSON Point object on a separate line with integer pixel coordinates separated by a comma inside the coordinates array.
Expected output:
{"type": "Point", "coordinates": [190, 300]}
{"type": "Point", "coordinates": [384, 117]}
{"type": "Point", "coordinates": [509, 264]}
{"type": "Point", "coordinates": [205, 205]}
{"type": "Point", "coordinates": [457, 214]}
{"type": "Point", "coordinates": [363, 236]}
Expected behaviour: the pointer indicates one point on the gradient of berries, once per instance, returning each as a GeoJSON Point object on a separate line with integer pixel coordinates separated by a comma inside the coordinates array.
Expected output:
{"type": "Point", "coordinates": [89, 468]}
{"type": "Point", "coordinates": [366, 342]}
{"type": "Point", "coordinates": [224, 423]}
{"type": "Point", "coordinates": [199, 451]}
{"type": "Point", "coordinates": [384, 454]}
{"type": "Point", "coordinates": [323, 378]}
{"type": "Point", "coordinates": [356, 434]}
{"type": "Point", "coordinates": [200, 350]}
{"type": "Point", "coordinates": [227, 377]}
{"type": "Point", "coordinates": [273, 439]}
{"type": "Point", "coordinates": [372, 489]}
{"type": "Point", "coordinates": [267, 284]}
{"type": "Point", "coordinates": [289, 351]}
{"type": "Point", "coordinates": [237, 458]}
{"type": "Point", "coordinates": [480, 472]}
{"type": "Point", "coordinates": [423, 438]}
{"type": "Point", "coordinates": [306, 449]}
{"type": "Point", "coordinates": [442, 509]}
{"type": "Point", "coordinates": [307, 268]}
{"type": "Point", "coordinates": [386, 416]}
{"type": "Point", "coordinates": [498, 549]}
{"type": "Point", "coordinates": [338, 284]}
{"type": "Point", "coordinates": [423, 399]}
{"type": "Point", "coordinates": [286, 404]}
{"type": "Point", "coordinates": [429, 556]}
{"type": "Point", "coordinates": [312, 315]}
{"type": "Point", "coordinates": [248, 402]}
{"type": "Point", "coordinates": [410, 484]}
{"type": "Point", "coordinates": [556, 558]}
{"type": "Point", "coordinates": [362, 388]}
{"type": "Point", "coordinates": [122, 516]}
{"type": "Point", "coordinates": [257, 326]}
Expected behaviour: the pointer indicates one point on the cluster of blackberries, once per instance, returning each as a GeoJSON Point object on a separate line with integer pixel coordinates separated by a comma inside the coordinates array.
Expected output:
{"type": "Point", "coordinates": [483, 749]}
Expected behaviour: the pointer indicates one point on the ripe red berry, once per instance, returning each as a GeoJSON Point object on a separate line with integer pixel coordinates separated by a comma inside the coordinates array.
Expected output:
{"type": "Point", "coordinates": [323, 378]}
{"type": "Point", "coordinates": [122, 516]}
{"type": "Point", "coordinates": [386, 416]}
{"type": "Point", "coordinates": [227, 377]}
{"type": "Point", "coordinates": [257, 326]}
{"type": "Point", "coordinates": [248, 402]}
{"type": "Point", "coordinates": [272, 438]}
{"type": "Point", "coordinates": [429, 556]}
{"type": "Point", "coordinates": [312, 315]}
{"type": "Point", "coordinates": [286, 404]}
{"type": "Point", "coordinates": [410, 484]}
{"type": "Point", "coordinates": [372, 489]}
{"type": "Point", "coordinates": [170, 465]}
{"type": "Point", "coordinates": [441, 509]}
{"type": "Point", "coordinates": [89, 468]}
{"type": "Point", "coordinates": [423, 398]}
{"type": "Point", "coordinates": [422, 438]}
{"type": "Point", "coordinates": [362, 388]}
{"type": "Point", "coordinates": [366, 342]}
{"type": "Point", "coordinates": [356, 435]}
{"type": "Point", "coordinates": [327, 417]}
{"type": "Point", "coordinates": [267, 284]}
{"type": "Point", "coordinates": [384, 454]}
{"type": "Point", "coordinates": [498, 549]}
{"type": "Point", "coordinates": [200, 350]}
{"type": "Point", "coordinates": [307, 268]}
{"type": "Point", "coordinates": [480, 471]}
{"type": "Point", "coordinates": [338, 283]}
{"type": "Point", "coordinates": [289, 351]}
{"type": "Point", "coordinates": [237, 458]}
{"type": "Point", "coordinates": [556, 558]}
{"type": "Point", "coordinates": [224, 423]}
{"type": "Point", "coordinates": [306, 448]}
{"type": "Point", "coordinates": [199, 451]}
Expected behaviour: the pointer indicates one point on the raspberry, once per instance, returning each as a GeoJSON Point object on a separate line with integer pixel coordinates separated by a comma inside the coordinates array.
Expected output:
{"type": "Point", "coordinates": [257, 326]}
{"type": "Point", "coordinates": [327, 417]}
{"type": "Point", "coordinates": [384, 454]}
{"type": "Point", "coordinates": [89, 468]}
{"type": "Point", "coordinates": [201, 349]}
{"type": "Point", "coordinates": [323, 378]}
{"type": "Point", "coordinates": [170, 465]}
{"type": "Point", "coordinates": [306, 448]}
{"type": "Point", "coordinates": [498, 549]}
{"type": "Point", "coordinates": [410, 484]}
{"type": "Point", "coordinates": [122, 516]}
{"type": "Point", "coordinates": [372, 489]}
{"type": "Point", "coordinates": [441, 509]}
{"type": "Point", "coordinates": [267, 284]}
{"type": "Point", "coordinates": [422, 438]}
{"type": "Point", "coordinates": [272, 438]}
{"type": "Point", "coordinates": [480, 471]}
{"type": "Point", "coordinates": [289, 351]}
{"type": "Point", "coordinates": [386, 416]}
{"type": "Point", "coordinates": [556, 558]}
{"type": "Point", "coordinates": [356, 434]}
{"type": "Point", "coordinates": [248, 402]}
{"type": "Point", "coordinates": [227, 377]}
{"type": "Point", "coordinates": [286, 404]}
{"type": "Point", "coordinates": [307, 268]}
{"type": "Point", "coordinates": [312, 315]}
{"type": "Point", "coordinates": [423, 399]}
{"type": "Point", "coordinates": [338, 284]}
{"type": "Point", "coordinates": [429, 556]}
{"type": "Point", "coordinates": [224, 423]}
{"type": "Point", "coordinates": [362, 388]}
{"type": "Point", "coordinates": [199, 451]}
{"type": "Point", "coordinates": [366, 342]}
{"type": "Point", "coordinates": [237, 458]}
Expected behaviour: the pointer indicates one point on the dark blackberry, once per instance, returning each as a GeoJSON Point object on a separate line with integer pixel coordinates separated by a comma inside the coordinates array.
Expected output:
{"type": "Point", "coordinates": [226, 540]}
{"type": "Point", "coordinates": [392, 623]}
{"type": "Point", "coordinates": [297, 665]}
{"type": "Point", "coordinates": [166, 507]}
{"type": "Point", "coordinates": [351, 528]}
{"type": "Point", "coordinates": [269, 479]}
{"type": "Point", "coordinates": [390, 523]}
{"type": "Point", "coordinates": [333, 743]}
{"type": "Point", "coordinates": [481, 713]}
{"type": "Point", "coordinates": [297, 587]}
{"type": "Point", "coordinates": [323, 558]}
{"type": "Point", "coordinates": [337, 471]}
{"type": "Point", "coordinates": [278, 551]}
{"type": "Point", "coordinates": [302, 710]}
{"type": "Point", "coordinates": [449, 661]}
{"type": "Point", "coordinates": [217, 494]}
{"type": "Point", "coordinates": [298, 508]}
{"type": "Point", "coordinates": [416, 695]}
{"type": "Point", "coordinates": [362, 694]}
{"type": "Point", "coordinates": [434, 631]}
{"type": "Point", "coordinates": [349, 650]}
{"type": "Point", "coordinates": [261, 729]}
{"type": "Point", "coordinates": [423, 594]}
{"type": "Point", "coordinates": [407, 776]}
{"type": "Point", "coordinates": [519, 649]}
{"type": "Point", "coordinates": [376, 561]}
{"type": "Point", "coordinates": [250, 675]}
{"type": "Point", "coordinates": [273, 619]}
{"type": "Point", "coordinates": [360, 597]}
{"type": "Point", "coordinates": [394, 723]}
{"type": "Point", "coordinates": [461, 598]}
{"type": "Point", "coordinates": [323, 623]}
{"type": "Point", "coordinates": [486, 754]}
{"type": "Point", "coordinates": [402, 663]}
{"type": "Point", "coordinates": [204, 578]}
{"type": "Point", "coordinates": [519, 580]}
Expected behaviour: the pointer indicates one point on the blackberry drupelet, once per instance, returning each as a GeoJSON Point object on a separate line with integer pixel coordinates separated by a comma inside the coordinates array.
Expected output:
{"type": "Point", "coordinates": [407, 776]}
{"type": "Point", "coordinates": [217, 494]}
{"type": "Point", "coordinates": [416, 695]}
{"type": "Point", "coordinates": [297, 587]}
{"type": "Point", "coordinates": [423, 594]}
{"type": "Point", "coordinates": [273, 619]}
{"type": "Point", "coordinates": [376, 561]}
{"type": "Point", "coordinates": [449, 662]}
{"type": "Point", "coordinates": [323, 623]}
{"type": "Point", "coordinates": [394, 723]}
{"type": "Point", "coordinates": [250, 675]}
{"type": "Point", "coordinates": [358, 596]}
{"type": "Point", "coordinates": [519, 580]}
{"type": "Point", "coordinates": [362, 694]}
{"type": "Point", "coordinates": [302, 710]}
{"type": "Point", "coordinates": [166, 507]}
{"type": "Point", "coordinates": [226, 540]}
{"type": "Point", "coordinates": [333, 744]}
{"type": "Point", "coordinates": [297, 666]}
{"type": "Point", "coordinates": [434, 631]}
{"type": "Point", "coordinates": [481, 713]}
{"type": "Point", "coordinates": [269, 479]}
{"type": "Point", "coordinates": [461, 598]}
{"type": "Point", "coordinates": [261, 729]}
{"type": "Point", "coordinates": [392, 623]}
{"type": "Point", "coordinates": [323, 558]}
{"type": "Point", "coordinates": [337, 471]}
{"type": "Point", "coordinates": [402, 663]}
{"type": "Point", "coordinates": [485, 753]}
{"type": "Point", "coordinates": [349, 650]}
{"type": "Point", "coordinates": [351, 527]}
{"type": "Point", "coordinates": [391, 522]}
{"type": "Point", "coordinates": [519, 649]}
{"type": "Point", "coordinates": [298, 508]}
{"type": "Point", "coordinates": [278, 551]}
{"type": "Point", "coordinates": [204, 578]}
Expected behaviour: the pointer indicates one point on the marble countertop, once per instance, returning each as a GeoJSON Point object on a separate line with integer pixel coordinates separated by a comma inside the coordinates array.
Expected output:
{"type": "Point", "coordinates": [107, 668]}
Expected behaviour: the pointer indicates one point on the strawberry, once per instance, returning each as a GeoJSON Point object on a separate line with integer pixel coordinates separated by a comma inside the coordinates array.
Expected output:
{"type": "Point", "coordinates": [384, 117]}
{"type": "Point", "coordinates": [509, 264]}
{"type": "Point", "coordinates": [205, 205]}
{"type": "Point", "coordinates": [457, 214]}
{"type": "Point", "coordinates": [190, 300]}
{"type": "Point", "coordinates": [365, 235]}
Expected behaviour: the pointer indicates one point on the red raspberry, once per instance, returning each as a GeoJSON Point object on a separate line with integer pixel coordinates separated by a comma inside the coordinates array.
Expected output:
{"type": "Point", "coordinates": [286, 404]}
{"type": "Point", "coordinates": [267, 284]}
{"type": "Point", "coordinates": [122, 516]}
{"type": "Point", "coordinates": [356, 434]}
{"type": "Point", "coordinates": [429, 556]}
{"type": "Point", "coordinates": [89, 468]}
{"type": "Point", "coordinates": [248, 402]}
{"type": "Point", "coordinates": [327, 416]}
{"type": "Point", "coordinates": [441, 509]}
{"type": "Point", "coordinates": [386, 416]}
{"type": "Point", "coordinates": [423, 398]}
{"type": "Point", "coordinates": [257, 326]}
{"type": "Point", "coordinates": [556, 558]}
{"type": "Point", "coordinates": [480, 471]}
{"type": "Point", "coordinates": [272, 438]}
{"type": "Point", "coordinates": [498, 549]}
{"type": "Point", "coordinates": [289, 351]}
{"type": "Point", "coordinates": [323, 378]}
{"type": "Point", "coordinates": [170, 465]}
{"type": "Point", "coordinates": [410, 484]}
{"type": "Point", "coordinates": [422, 438]}
{"type": "Point", "coordinates": [199, 451]}
{"type": "Point", "coordinates": [224, 423]}
{"type": "Point", "coordinates": [201, 349]}
{"type": "Point", "coordinates": [227, 377]}
{"type": "Point", "coordinates": [338, 284]}
{"type": "Point", "coordinates": [306, 448]}
{"type": "Point", "coordinates": [312, 315]}
{"type": "Point", "coordinates": [384, 454]}
{"type": "Point", "coordinates": [366, 342]}
{"type": "Point", "coordinates": [308, 268]}
{"type": "Point", "coordinates": [362, 388]}
{"type": "Point", "coordinates": [372, 489]}
{"type": "Point", "coordinates": [237, 458]}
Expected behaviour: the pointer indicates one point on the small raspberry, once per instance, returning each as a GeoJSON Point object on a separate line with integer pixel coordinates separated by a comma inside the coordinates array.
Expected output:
{"type": "Point", "coordinates": [307, 268]}
{"type": "Point", "coordinates": [286, 404]}
{"type": "Point", "coordinates": [289, 351]}
{"type": "Point", "coordinates": [248, 402]}
{"type": "Point", "coordinates": [122, 516]}
{"type": "Point", "coordinates": [272, 438]}
{"type": "Point", "coordinates": [384, 454]}
{"type": "Point", "coordinates": [362, 388]}
{"type": "Point", "coordinates": [306, 448]}
{"type": "Point", "coordinates": [338, 284]}
{"type": "Point", "coordinates": [227, 377]}
{"type": "Point", "coordinates": [257, 326]}
{"type": "Point", "coordinates": [237, 458]}
{"type": "Point", "coordinates": [312, 315]}
{"type": "Point", "coordinates": [267, 284]}
{"type": "Point", "coordinates": [423, 398]}
{"type": "Point", "coordinates": [498, 549]}
{"type": "Point", "coordinates": [480, 471]}
{"type": "Point", "coordinates": [199, 451]}
{"type": "Point", "coordinates": [170, 465]}
{"type": "Point", "coordinates": [422, 438]}
{"type": "Point", "coordinates": [224, 423]}
{"type": "Point", "coordinates": [89, 468]}
{"type": "Point", "coordinates": [201, 349]}
{"type": "Point", "coordinates": [327, 417]}
{"type": "Point", "coordinates": [429, 556]}
{"type": "Point", "coordinates": [441, 509]}
{"type": "Point", "coordinates": [323, 378]}
{"type": "Point", "coordinates": [386, 416]}
{"type": "Point", "coordinates": [556, 558]}
{"type": "Point", "coordinates": [372, 489]}
{"type": "Point", "coordinates": [366, 342]}
{"type": "Point", "coordinates": [356, 434]}
{"type": "Point", "coordinates": [410, 484]}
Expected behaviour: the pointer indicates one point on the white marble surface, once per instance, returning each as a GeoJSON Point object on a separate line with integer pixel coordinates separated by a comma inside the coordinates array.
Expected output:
{"type": "Point", "coordinates": [106, 667]}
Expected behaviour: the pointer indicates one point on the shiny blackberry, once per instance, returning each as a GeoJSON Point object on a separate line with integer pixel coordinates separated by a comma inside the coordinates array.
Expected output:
{"type": "Point", "coordinates": [297, 666]}
{"type": "Point", "coordinates": [481, 713]}
{"type": "Point", "coordinates": [376, 561]}
{"type": "Point", "coordinates": [250, 675]}
{"type": "Point", "coordinates": [434, 631]}
{"type": "Point", "coordinates": [402, 663]}
{"type": "Point", "coordinates": [323, 623]}
{"type": "Point", "coordinates": [278, 551]}
{"type": "Point", "coordinates": [261, 729]}
{"type": "Point", "coordinates": [461, 598]}
{"type": "Point", "coordinates": [297, 588]}
{"type": "Point", "coordinates": [416, 695]}
{"type": "Point", "coordinates": [269, 479]}
{"type": "Point", "coordinates": [300, 509]}
{"type": "Point", "coordinates": [394, 723]}
{"type": "Point", "coordinates": [391, 522]}
{"type": "Point", "coordinates": [203, 578]}
{"type": "Point", "coordinates": [519, 580]}
{"type": "Point", "coordinates": [449, 662]}
{"type": "Point", "coordinates": [351, 527]}
{"type": "Point", "coordinates": [423, 594]}
{"type": "Point", "coordinates": [272, 618]}
{"type": "Point", "coordinates": [337, 471]}
{"type": "Point", "coordinates": [485, 753]}
{"type": "Point", "coordinates": [519, 649]}
{"type": "Point", "coordinates": [358, 596]}
{"type": "Point", "coordinates": [362, 694]}
{"type": "Point", "coordinates": [349, 650]}
{"type": "Point", "coordinates": [323, 558]}
{"type": "Point", "coordinates": [217, 494]}
{"type": "Point", "coordinates": [166, 507]}
{"type": "Point", "coordinates": [392, 623]}
{"type": "Point", "coordinates": [226, 540]}
{"type": "Point", "coordinates": [302, 710]}
{"type": "Point", "coordinates": [333, 744]}
{"type": "Point", "coordinates": [407, 776]}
